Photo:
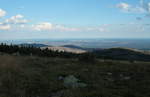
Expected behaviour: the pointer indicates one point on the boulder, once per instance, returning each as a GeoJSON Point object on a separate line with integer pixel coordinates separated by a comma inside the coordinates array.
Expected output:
{"type": "Point", "coordinates": [72, 82]}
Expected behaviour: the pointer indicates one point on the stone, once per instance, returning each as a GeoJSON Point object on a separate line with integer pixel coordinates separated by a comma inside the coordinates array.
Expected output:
{"type": "Point", "coordinates": [127, 78]}
{"type": "Point", "coordinates": [109, 73]}
{"type": "Point", "coordinates": [72, 82]}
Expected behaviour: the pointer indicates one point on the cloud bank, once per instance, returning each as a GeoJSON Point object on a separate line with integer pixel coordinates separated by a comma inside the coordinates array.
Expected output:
{"type": "Point", "coordinates": [19, 22]}
{"type": "Point", "coordinates": [143, 7]}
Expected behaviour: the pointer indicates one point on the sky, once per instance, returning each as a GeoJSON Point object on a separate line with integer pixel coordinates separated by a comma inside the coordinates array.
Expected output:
{"type": "Point", "coordinates": [56, 19]}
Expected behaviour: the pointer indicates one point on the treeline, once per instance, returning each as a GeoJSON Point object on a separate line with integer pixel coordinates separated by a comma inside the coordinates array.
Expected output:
{"type": "Point", "coordinates": [113, 54]}
{"type": "Point", "coordinates": [30, 50]}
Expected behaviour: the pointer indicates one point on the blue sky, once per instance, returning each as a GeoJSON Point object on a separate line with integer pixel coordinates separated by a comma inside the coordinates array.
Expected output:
{"type": "Point", "coordinates": [27, 19]}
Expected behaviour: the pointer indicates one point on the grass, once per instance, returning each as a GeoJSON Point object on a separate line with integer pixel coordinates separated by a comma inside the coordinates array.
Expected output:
{"type": "Point", "coordinates": [30, 76]}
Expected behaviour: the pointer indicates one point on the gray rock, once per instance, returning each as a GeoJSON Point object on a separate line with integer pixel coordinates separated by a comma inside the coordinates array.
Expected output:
{"type": "Point", "coordinates": [60, 78]}
{"type": "Point", "coordinates": [109, 73]}
{"type": "Point", "coordinates": [72, 82]}
{"type": "Point", "coordinates": [127, 78]}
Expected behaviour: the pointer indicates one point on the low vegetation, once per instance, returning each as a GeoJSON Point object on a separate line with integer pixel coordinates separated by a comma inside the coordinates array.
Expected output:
{"type": "Point", "coordinates": [31, 76]}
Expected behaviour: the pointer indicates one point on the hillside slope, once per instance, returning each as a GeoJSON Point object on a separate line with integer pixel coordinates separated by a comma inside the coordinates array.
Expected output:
{"type": "Point", "coordinates": [73, 46]}
{"type": "Point", "coordinates": [26, 76]}
{"type": "Point", "coordinates": [122, 54]}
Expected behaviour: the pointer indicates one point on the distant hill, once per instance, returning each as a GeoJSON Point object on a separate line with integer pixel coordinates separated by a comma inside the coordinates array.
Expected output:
{"type": "Point", "coordinates": [122, 54]}
{"type": "Point", "coordinates": [33, 45]}
{"type": "Point", "coordinates": [74, 52]}
{"type": "Point", "coordinates": [82, 48]}
{"type": "Point", "coordinates": [65, 49]}
{"type": "Point", "coordinates": [73, 46]}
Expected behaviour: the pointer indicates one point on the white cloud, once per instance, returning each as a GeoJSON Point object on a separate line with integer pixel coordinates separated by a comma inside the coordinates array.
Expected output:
{"type": "Point", "coordinates": [123, 6]}
{"type": "Point", "coordinates": [18, 19]}
{"type": "Point", "coordinates": [142, 7]}
{"type": "Point", "coordinates": [102, 28]}
{"type": "Point", "coordinates": [19, 23]}
{"type": "Point", "coordinates": [5, 27]}
{"type": "Point", "coordinates": [46, 26]}
{"type": "Point", "coordinates": [13, 23]}
{"type": "Point", "coordinates": [66, 29]}
{"type": "Point", "coordinates": [43, 26]}
{"type": "Point", "coordinates": [2, 13]}
{"type": "Point", "coordinates": [18, 16]}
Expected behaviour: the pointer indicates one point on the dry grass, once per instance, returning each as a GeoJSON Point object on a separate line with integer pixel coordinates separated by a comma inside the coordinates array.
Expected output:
{"type": "Point", "coordinates": [29, 76]}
